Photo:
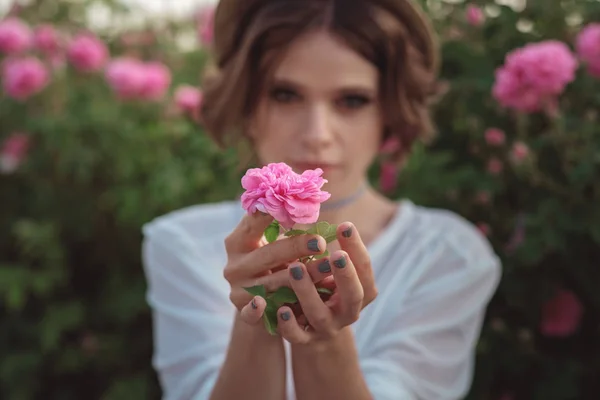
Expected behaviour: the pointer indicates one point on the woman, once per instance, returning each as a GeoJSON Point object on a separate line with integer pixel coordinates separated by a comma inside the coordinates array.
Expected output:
{"type": "Point", "coordinates": [319, 84]}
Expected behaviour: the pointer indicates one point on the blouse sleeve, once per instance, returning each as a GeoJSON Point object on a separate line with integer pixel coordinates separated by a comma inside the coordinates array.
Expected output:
{"type": "Point", "coordinates": [191, 319]}
{"type": "Point", "coordinates": [425, 349]}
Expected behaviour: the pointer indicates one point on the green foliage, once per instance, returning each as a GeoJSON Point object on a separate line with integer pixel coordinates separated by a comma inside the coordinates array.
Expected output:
{"type": "Point", "coordinates": [74, 323]}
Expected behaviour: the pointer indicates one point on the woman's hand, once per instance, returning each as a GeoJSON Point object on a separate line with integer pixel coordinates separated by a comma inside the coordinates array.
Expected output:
{"type": "Point", "coordinates": [251, 261]}
{"type": "Point", "coordinates": [355, 289]}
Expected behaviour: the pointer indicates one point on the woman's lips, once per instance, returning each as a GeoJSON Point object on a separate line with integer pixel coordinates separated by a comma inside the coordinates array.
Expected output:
{"type": "Point", "coordinates": [303, 166]}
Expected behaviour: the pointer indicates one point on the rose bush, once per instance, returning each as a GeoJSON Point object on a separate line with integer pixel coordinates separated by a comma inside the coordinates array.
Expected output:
{"type": "Point", "coordinates": [91, 149]}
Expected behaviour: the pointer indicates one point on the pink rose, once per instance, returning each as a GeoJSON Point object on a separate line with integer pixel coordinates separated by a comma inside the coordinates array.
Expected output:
{"type": "Point", "coordinates": [495, 166]}
{"type": "Point", "coordinates": [24, 77]}
{"type": "Point", "coordinates": [156, 81]}
{"type": "Point", "coordinates": [13, 152]}
{"type": "Point", "coordinates": [484, 228]}
{"type": "Point", "coordinates": [388, 176]}
{"type": "Point", "coordinates": [483, 197]}
{"type": "Point", "coordinates": [587, 45]}
{"type": "Point", "coordinates": [534, 75]}
{"type": "Point", "coordinates": [494, 137]}
{"type": "Point", "coordinates": [205, 24]}
{"type": "Point", "coordinates": [517, 237]}
{"type": "Point", "coordinates": [475, 15]}
{"type": "Point", "coordinates": [47, 39]}
{"type": "Point", "coordinates": [130, 78]}
{"type": "Point", "coordinates": [519, 152]}
{"type": "Point", "coordinates": [561, 315]}
{"type": "Point", "coordinates": [391, 145]}
{"type": "Point", "coordinates": [87, 53]}
{"type": "Point", "coordinates": [285, 195]}
{"type": "Point", "coordinates": [15, 36]}
{"type": "Point", "coordinates": [188, 98]}
{"type": "Point", "coordinates": [125, 77]}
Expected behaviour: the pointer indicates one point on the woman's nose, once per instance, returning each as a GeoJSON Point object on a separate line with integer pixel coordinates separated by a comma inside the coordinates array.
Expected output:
{"type": "Point", "coordinates": [318, 130]}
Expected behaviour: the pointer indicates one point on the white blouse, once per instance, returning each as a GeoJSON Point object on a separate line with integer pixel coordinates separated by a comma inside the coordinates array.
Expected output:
{"type": "Point", "coordinates": [435, 274]}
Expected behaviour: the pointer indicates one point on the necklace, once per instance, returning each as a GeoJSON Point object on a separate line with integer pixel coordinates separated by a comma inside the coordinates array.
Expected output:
{"type": "Point", "coordinates": [345, 201]}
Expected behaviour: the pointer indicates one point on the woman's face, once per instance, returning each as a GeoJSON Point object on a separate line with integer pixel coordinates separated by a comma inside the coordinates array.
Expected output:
{"type": "Point", "coordinates": [321, 111]}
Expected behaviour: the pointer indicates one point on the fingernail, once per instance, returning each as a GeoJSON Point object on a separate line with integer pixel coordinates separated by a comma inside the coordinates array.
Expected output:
{"type": "Point", "coordinates": [253, 304]}
{"type": "Point", "coordinates": [286, 315]}
{"type": "Point", "coordinates": [347, 233]}
{"type": "Point", "coordinates": [313, 245]}
{"type": "Point", "coordinates": [297, 273]}
{"type": "Point", "coordinates": [324, 267]}
{"type": "Point", "coordinates": [340, 263]}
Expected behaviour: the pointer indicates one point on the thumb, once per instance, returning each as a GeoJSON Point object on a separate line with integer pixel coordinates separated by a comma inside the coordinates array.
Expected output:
{"type": "Point", "coordinates": [253, 311]}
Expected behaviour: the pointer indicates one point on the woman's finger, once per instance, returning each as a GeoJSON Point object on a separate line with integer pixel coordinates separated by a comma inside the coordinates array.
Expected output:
{"type": "Point", "coordinates": [351, 243]}
{"type": "Point", "coordinates": [349, 287]}
{"type": "Point", "coordinates": [274, 255]}
{"type": "Point", "coordinates": [319, 269]}
{"type": "Point", "coordinates": [318, 314]}
{"type": "Point", "coordinates": [253, 311]}
{"type": "Point", "coordinates": [248, 233]}
{"type": "Point", "coordinates": [289, 329]}
{"type": "Point", "coordinates": [273, 281]}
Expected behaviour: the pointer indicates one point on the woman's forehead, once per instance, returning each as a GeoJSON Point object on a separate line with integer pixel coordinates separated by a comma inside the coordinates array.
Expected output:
{"type": "Point", "coordinates": [319, 59]}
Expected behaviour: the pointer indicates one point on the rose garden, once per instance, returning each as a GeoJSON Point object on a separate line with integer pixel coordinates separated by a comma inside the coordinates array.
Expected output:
{"type": "Point", "coordinates": [100, 132]}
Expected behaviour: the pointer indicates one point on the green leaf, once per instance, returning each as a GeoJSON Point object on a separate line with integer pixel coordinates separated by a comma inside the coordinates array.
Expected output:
{"type": "Point", "coordinates": [270, 320]}
{"type": "Point", "coordinates": [283, 295]}
{"type": "Point", "coordinates": [319, 256]}
{"type": "Point", "coordinates": [295, 232]}
{"type": "Point", "coordinates": [324, 290]}
{"type": "Point", "coordinates": [257, 291]}
{"type": "Point", "coordinates": [324, 229]}
{"type": "Point", "coordinates": [272, 232]}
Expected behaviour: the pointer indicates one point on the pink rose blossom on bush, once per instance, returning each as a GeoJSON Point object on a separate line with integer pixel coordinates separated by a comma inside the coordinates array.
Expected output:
{"type": "Point", "coordinates": [484, 228]}
{"type": "Point", "coordinates": [131, 78]}
{"type": "Point", "coordinates": [534, 75]}
{"type": "Point", "coordinates": [47, 39]}
{"type": "Point", "coordinates": [587, 45]}
{"type": "Point", "coordinates": [494, 137]}
{"type": "Point", "coordinates": [483, 197]}
{"type": "Point", "coordinates": [495, 166]}
{"type": "Point", "coordinates": [125, 77]}
{"type": "Point", "coordinates": [285, 195]}
{"type": "Point", "coordinates": [24, 77]}
{"type": "Point", "coordinates": [188, 98]}
{"type": "Point", "coordinates": [390, 145]}
{"type": "Point", "coordinates": [519, 152]}
{"type": "Point", "coordinates": [561, 315]}
{"type": "Point", "coordinates": [15, 36]}
{"type": "Point", "coordinates": [13, 152]}
{"type": "Point", "coordinates": [475, 15]}
{"type": "Point", "coordinates": [87, 53]}
{"type": "Point", "coordinates": [518, 235]}
{"type": "Point", "coordinates": [205, 24]}
{"type": "Point", "coordinates": [388, 176]}
{"type": "Point", "coordinates": [156, 81]}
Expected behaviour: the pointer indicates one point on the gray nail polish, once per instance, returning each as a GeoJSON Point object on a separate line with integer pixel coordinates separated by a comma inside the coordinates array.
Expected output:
{"type": "Point", "coordinates": [297, 273]}
{"type": "Point", "coordinates": [324, 267]}
{"type": "Point", "coordinates": [253, 304]}
{"type": "Point", "coordinates": [347, 233]}
{"type": "Point", "coordinates": [341, 263]}
{"type": "Point", "coordinates": [313, 245]}
{"type": "Point", "coordinates": [286, 315]}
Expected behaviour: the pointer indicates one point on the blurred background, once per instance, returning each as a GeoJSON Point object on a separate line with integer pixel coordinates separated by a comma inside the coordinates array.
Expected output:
{"type": "Point", "coordinates": [99, 134]}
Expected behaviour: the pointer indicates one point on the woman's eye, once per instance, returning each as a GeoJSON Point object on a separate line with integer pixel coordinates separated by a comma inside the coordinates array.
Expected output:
{"type": "Point", "coordinates": [354, 101]}
{"type": "Point", "coordinates": [283, 95]}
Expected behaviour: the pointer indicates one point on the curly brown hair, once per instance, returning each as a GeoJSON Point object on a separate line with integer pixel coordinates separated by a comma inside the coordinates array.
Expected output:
{"type": "Point", "coordinates": [249, 36]}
